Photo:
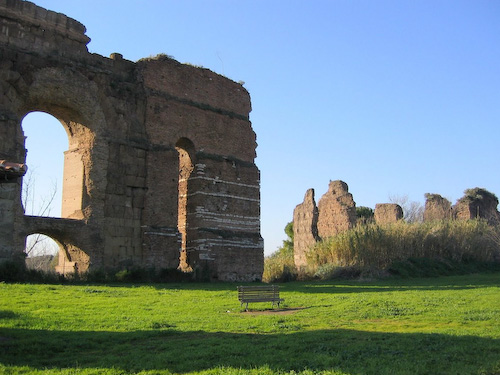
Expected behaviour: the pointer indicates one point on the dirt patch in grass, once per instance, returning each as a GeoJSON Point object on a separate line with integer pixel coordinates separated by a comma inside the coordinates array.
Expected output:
{"type": "Point", "coordinates": [274, 311]}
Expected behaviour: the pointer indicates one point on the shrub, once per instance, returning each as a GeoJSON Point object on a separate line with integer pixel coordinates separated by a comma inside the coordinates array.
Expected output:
{"type": "Point", "coordinates": [330, 271]}
{"type": "Point", "coordinates": [279, 267]}
{"type": "Point", "coordinates": [11, 271]}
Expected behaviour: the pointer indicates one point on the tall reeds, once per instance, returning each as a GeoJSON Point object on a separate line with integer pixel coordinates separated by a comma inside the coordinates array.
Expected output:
{"type": "Point", "coordinates": [376, 247]}
{"type": "Point", "coordinates": [372, 249]}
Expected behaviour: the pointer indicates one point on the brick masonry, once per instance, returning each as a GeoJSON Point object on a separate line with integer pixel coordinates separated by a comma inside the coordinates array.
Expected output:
{"type": "Point", "coordinates": [337, 210]}
{"type": "Point", "coordinates": [335, 213]}
{"type": "Point", "coordinates": [305, 228]}
{"type": "Point", "coordinates": [130, 125]}
{"type": "Point", "coordinates": [437, 208]}
{"type": "Point", "coordinates": [388, 213]}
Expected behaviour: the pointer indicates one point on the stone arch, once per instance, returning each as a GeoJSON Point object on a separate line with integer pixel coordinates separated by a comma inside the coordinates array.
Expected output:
{"type": "Point", "coordinates": [69, 235]}
{"type": "Point", "coordinates": [73, 100]}
{"type": "Point", "coordinates": [186, 152]}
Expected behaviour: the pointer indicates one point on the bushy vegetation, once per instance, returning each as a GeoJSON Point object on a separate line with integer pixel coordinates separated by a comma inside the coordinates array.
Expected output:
{"type": "Point", "coordinates": [280, 266]}
{"type": "Point", "coordinates": [365, 215]}
{"type": "Point", "coordinates": [372, 250]}
{"type": "Point", "coordinates": [16, 271]}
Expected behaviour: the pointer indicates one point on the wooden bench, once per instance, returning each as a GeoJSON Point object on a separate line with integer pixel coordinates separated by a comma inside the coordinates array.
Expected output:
{"type": "Point", "coordinates": [262, 293]}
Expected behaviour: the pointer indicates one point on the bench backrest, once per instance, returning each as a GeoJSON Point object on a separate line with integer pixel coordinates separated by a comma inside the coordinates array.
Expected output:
{"type": "Point", "coordinates": [258, 292]}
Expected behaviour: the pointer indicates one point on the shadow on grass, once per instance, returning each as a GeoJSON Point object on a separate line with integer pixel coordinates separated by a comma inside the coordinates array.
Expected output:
{"type": "Point", "coordinates": [349, 351]}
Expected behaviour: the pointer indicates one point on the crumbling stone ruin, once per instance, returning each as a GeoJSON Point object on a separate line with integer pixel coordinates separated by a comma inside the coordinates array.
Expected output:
{"type": "Point", "coordinates": [476, 203]}
{"type": "Point", "coordinates": [305, 228]}
{"type": "Point", "coordinates": [388, 213]}
{"type": "Point", "coordinates": [160, 168]}
{"type": "Point", "coordinates": [335, 213]}
{"type": "Point", "coordinates": [437, 208]}
{"type": "Point", "coordinates": [336, 210]}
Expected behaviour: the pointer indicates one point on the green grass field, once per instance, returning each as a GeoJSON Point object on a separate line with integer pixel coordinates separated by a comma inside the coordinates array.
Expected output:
{"type": "Point", "coordinates": [447, 325]}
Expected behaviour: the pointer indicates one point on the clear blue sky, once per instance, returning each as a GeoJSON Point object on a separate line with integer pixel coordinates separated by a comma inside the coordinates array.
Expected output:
{"type": "Point", "coordinates": [392, 97]}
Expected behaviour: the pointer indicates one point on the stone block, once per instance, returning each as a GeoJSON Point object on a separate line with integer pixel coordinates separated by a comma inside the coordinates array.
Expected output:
{"type": "Point", "coordinates": [388, 213]}
{"type": "Point", "coordinates": [336, 210]}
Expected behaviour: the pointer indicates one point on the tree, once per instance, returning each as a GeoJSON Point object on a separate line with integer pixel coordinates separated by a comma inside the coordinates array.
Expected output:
{"type": "Point", "coordinates": [413, 212]}
{"type": "Point", "coordinates": [364, 214]}
{"type": "Point", "coordinates": [37, 244]}
{"type": "Point", "coordinates": [286, 248]}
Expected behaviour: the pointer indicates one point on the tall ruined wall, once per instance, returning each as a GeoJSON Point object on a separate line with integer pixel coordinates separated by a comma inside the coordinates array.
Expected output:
{"type": "Point", "coordinates": [335, 213]}
{"type": "Point", "coordinates": [477, 203]}
{"type": "Point", "coordinates": [337, 210]}
{"type": "Point", "coordinates": [305, 228]}
{"type": "Point", "coordinates": [128, 126]}
{"type": "Point", "coordinates": [437, 208]}
{"type": "Point", "coordinates": [222, 203]}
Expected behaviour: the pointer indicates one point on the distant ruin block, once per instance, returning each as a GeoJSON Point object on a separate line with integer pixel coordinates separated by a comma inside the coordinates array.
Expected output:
{"type": "Point", "coordinates": [305, 228]}
{"type": "Point", "coordinates": [477, 203]}
{"type": "Point", "coordinates": [388, 213]}
{"type": "Point", "coordinates": [337, 210]}
{"type": "Point", "coordinates": [437, 208]}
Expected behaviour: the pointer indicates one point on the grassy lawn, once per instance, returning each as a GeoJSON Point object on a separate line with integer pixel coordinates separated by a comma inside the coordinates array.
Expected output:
{"type": "Point", "coordinates": [447, 325]}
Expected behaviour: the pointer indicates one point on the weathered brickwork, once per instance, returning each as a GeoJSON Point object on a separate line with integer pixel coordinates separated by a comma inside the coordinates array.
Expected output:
{"type": "Point", "coordinates": [305, 228]}
{"type": "Point", "coordinates": [437, 208]}
{"type": "Point", "coordinates": [477, 203]}
{"type": "Point", "coordinates": [335, 213]}
{"type": "Point", "coordinates": [160, 168]}
{"type": "Point", "coordinates": [388, 213]}
{"type": "Point", "coordinates": [337, 210]}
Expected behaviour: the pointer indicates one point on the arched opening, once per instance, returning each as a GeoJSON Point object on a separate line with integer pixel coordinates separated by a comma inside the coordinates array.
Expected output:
{"type": "Point", "coordinates": [186, 151]}
{"type": "Point", "coordinates": [61, 255]}
{"type": "Point", "coordinates": [45, 144]}
{"type": "Point", "coordinates": [58, 159]}
{"type": "Point", "coordinates": [41, 252]}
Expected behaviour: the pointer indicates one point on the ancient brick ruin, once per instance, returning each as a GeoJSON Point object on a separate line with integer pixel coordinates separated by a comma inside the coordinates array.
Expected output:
{"type": "Point", "coordinates": [437, 208]}
{"type": "Point", "coordinates": [160, 168]}
{"type": "Point", "coordinates": [388, 213]}
{"type": "Point", "coordinates": [336, 210]}
{"type": "Point", "coordinates": [305, 228]}
{"type": "Point", "coordinates": [335, 213]}
{"type": "Point", "coordinates": [477, 203]}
